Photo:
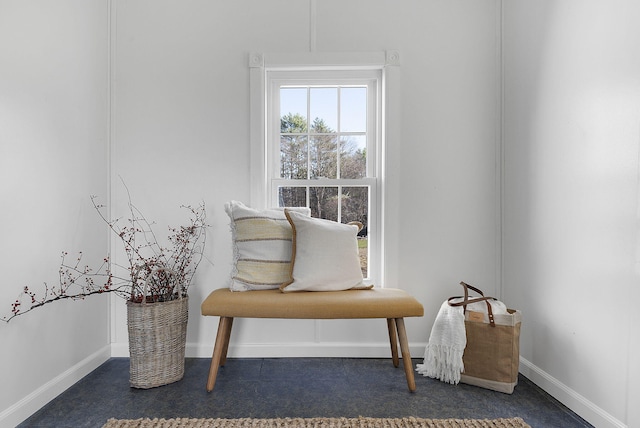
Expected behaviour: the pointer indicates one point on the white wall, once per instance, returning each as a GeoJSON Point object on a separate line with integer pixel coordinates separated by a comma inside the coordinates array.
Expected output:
{"type": "Point", "coordinates": [571, 231]}
{"type": "Point", "coordinates": [53, 135]}
{"type": "Point", "coordinates": [181, 119]}
{"type": "Point", "coordinates": [180, 134]}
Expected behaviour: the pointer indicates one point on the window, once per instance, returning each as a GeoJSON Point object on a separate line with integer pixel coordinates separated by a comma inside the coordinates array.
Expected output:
{"type": "Point", "coordinates": [317, 138]}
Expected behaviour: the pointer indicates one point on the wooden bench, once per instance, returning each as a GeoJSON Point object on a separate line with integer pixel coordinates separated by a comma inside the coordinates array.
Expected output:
{"type": "Point", "coordinates": [389, 303]}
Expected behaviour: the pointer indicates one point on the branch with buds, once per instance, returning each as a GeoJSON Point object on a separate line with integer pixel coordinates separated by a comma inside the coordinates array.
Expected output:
{"type": "Point", "coordinates": [147, 262]}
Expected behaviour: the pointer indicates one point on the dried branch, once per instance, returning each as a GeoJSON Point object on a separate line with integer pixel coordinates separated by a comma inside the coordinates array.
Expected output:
{"type": "Point", "coordinates": [148, 262]}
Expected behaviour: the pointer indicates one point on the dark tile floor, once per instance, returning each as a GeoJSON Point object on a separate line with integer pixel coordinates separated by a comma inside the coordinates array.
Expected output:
{"type": "Point", "coordinates": [293, 387]}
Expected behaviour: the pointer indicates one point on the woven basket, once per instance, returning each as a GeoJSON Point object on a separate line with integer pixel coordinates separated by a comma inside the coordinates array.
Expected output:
{"type": "Point", "coordinates": [157, 338]}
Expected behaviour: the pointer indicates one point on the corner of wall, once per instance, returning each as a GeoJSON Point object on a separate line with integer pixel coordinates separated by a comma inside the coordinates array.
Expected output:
{"type": "Point", "coordinates": [30, 404]}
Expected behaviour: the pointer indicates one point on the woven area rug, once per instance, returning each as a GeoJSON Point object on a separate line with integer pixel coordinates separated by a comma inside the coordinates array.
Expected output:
{"type": "Point", "coordinates": [317, 423]}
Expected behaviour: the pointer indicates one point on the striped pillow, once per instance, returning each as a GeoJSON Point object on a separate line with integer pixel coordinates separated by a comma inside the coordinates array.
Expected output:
{"type": "Point", "coordinates": [261, 246]}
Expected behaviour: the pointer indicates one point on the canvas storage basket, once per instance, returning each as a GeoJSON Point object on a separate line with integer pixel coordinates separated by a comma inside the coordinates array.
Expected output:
{"type": "Point", "coordinates": [492, 355]}
{"type": "Point", "coordinates": [157, 338]}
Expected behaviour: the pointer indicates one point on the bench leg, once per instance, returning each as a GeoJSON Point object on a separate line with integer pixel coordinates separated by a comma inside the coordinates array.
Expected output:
{"type": "Point", "coordinates": [393, 339]}
{"type": "Point", "coordinates": [406, 356]}
{"type": "Point", "coordinates": [225, 349]}
{"type": "Point", "coordinates": [220, 348]}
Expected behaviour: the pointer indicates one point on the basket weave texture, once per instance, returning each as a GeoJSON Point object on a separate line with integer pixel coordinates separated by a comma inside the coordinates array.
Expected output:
{"type": "Point", "coordinates": [157, 338]}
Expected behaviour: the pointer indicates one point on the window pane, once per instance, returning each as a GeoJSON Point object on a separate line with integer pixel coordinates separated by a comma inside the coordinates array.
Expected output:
{"type": "Point", "coordinates": [355, 207]}
{"type": "Point", "coordinates": [323, 108]}
{"type": "Point", "coordinates": [292, 196]}
{"type": "Point", "coordinates": [323, 202]}
{"type": "Point", "coordinates": [353, 156]}
{"type": "Point", "coordinates": [293, 110]}
{"type": "Point", "coordinates": [323, 156]}
{"type": "Point", "coordinates": [293, 157]}
{"type": "Point", "coordinates": [353, 109]}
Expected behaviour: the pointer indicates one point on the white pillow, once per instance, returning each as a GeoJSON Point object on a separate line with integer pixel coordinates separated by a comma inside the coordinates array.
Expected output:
{"type": "Point", "coordinates": [325, 255]}
{"type": "Point", "coordinates": [261, 246]}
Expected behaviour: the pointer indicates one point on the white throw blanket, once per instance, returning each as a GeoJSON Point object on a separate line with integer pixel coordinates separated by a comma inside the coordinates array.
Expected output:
{"type": "Point", "coordinates": [443, 355]}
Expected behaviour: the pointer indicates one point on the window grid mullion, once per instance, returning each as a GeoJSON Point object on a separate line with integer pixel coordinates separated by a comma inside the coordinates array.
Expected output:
{"type": "Point", "coordinates": [308, 133]}
{"type": "Point", "coordinates": [338, 139]}
{"type": "Point", "coordinates": [339, 203]}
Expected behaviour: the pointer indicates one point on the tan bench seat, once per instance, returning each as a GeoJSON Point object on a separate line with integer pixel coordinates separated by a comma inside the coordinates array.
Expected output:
{"type": "Point", "coordinates": [389, 303]}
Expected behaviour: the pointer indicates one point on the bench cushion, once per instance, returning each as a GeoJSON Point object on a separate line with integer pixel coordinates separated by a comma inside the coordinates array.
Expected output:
{"type": "Point", "coordinates": [373, 303]}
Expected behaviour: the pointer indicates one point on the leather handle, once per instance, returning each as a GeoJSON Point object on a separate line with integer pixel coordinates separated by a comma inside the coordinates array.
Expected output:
{"type": "Point", "coordinates": [466, 300]}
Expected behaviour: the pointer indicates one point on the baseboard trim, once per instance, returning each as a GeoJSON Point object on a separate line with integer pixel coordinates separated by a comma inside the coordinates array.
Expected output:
{"type": "Point", "coordinates": [281, 350]}
{"type": "Point", "coordinates": [324, 349]}
{"type": "Point", "coordinates": [33, 402]}
{"type": "Point", "coordinates": [119, 350]}
{"type": "Point", "coordinates": [570, 398]}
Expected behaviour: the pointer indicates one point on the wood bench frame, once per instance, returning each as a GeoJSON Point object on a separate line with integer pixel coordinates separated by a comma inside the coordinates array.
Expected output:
{"type": "Point", "coordinates": [389, 303]}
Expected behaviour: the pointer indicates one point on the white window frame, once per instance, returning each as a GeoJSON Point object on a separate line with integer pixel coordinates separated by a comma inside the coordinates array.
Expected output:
{"type": "Point", "coordinates": [266, 72]}
{"type": "Point", "coordinates": [372, 80]}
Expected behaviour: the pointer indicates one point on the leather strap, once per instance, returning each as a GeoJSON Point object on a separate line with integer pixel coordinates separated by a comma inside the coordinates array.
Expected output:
{"type": "Point", "coordinates": [466, 300]}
